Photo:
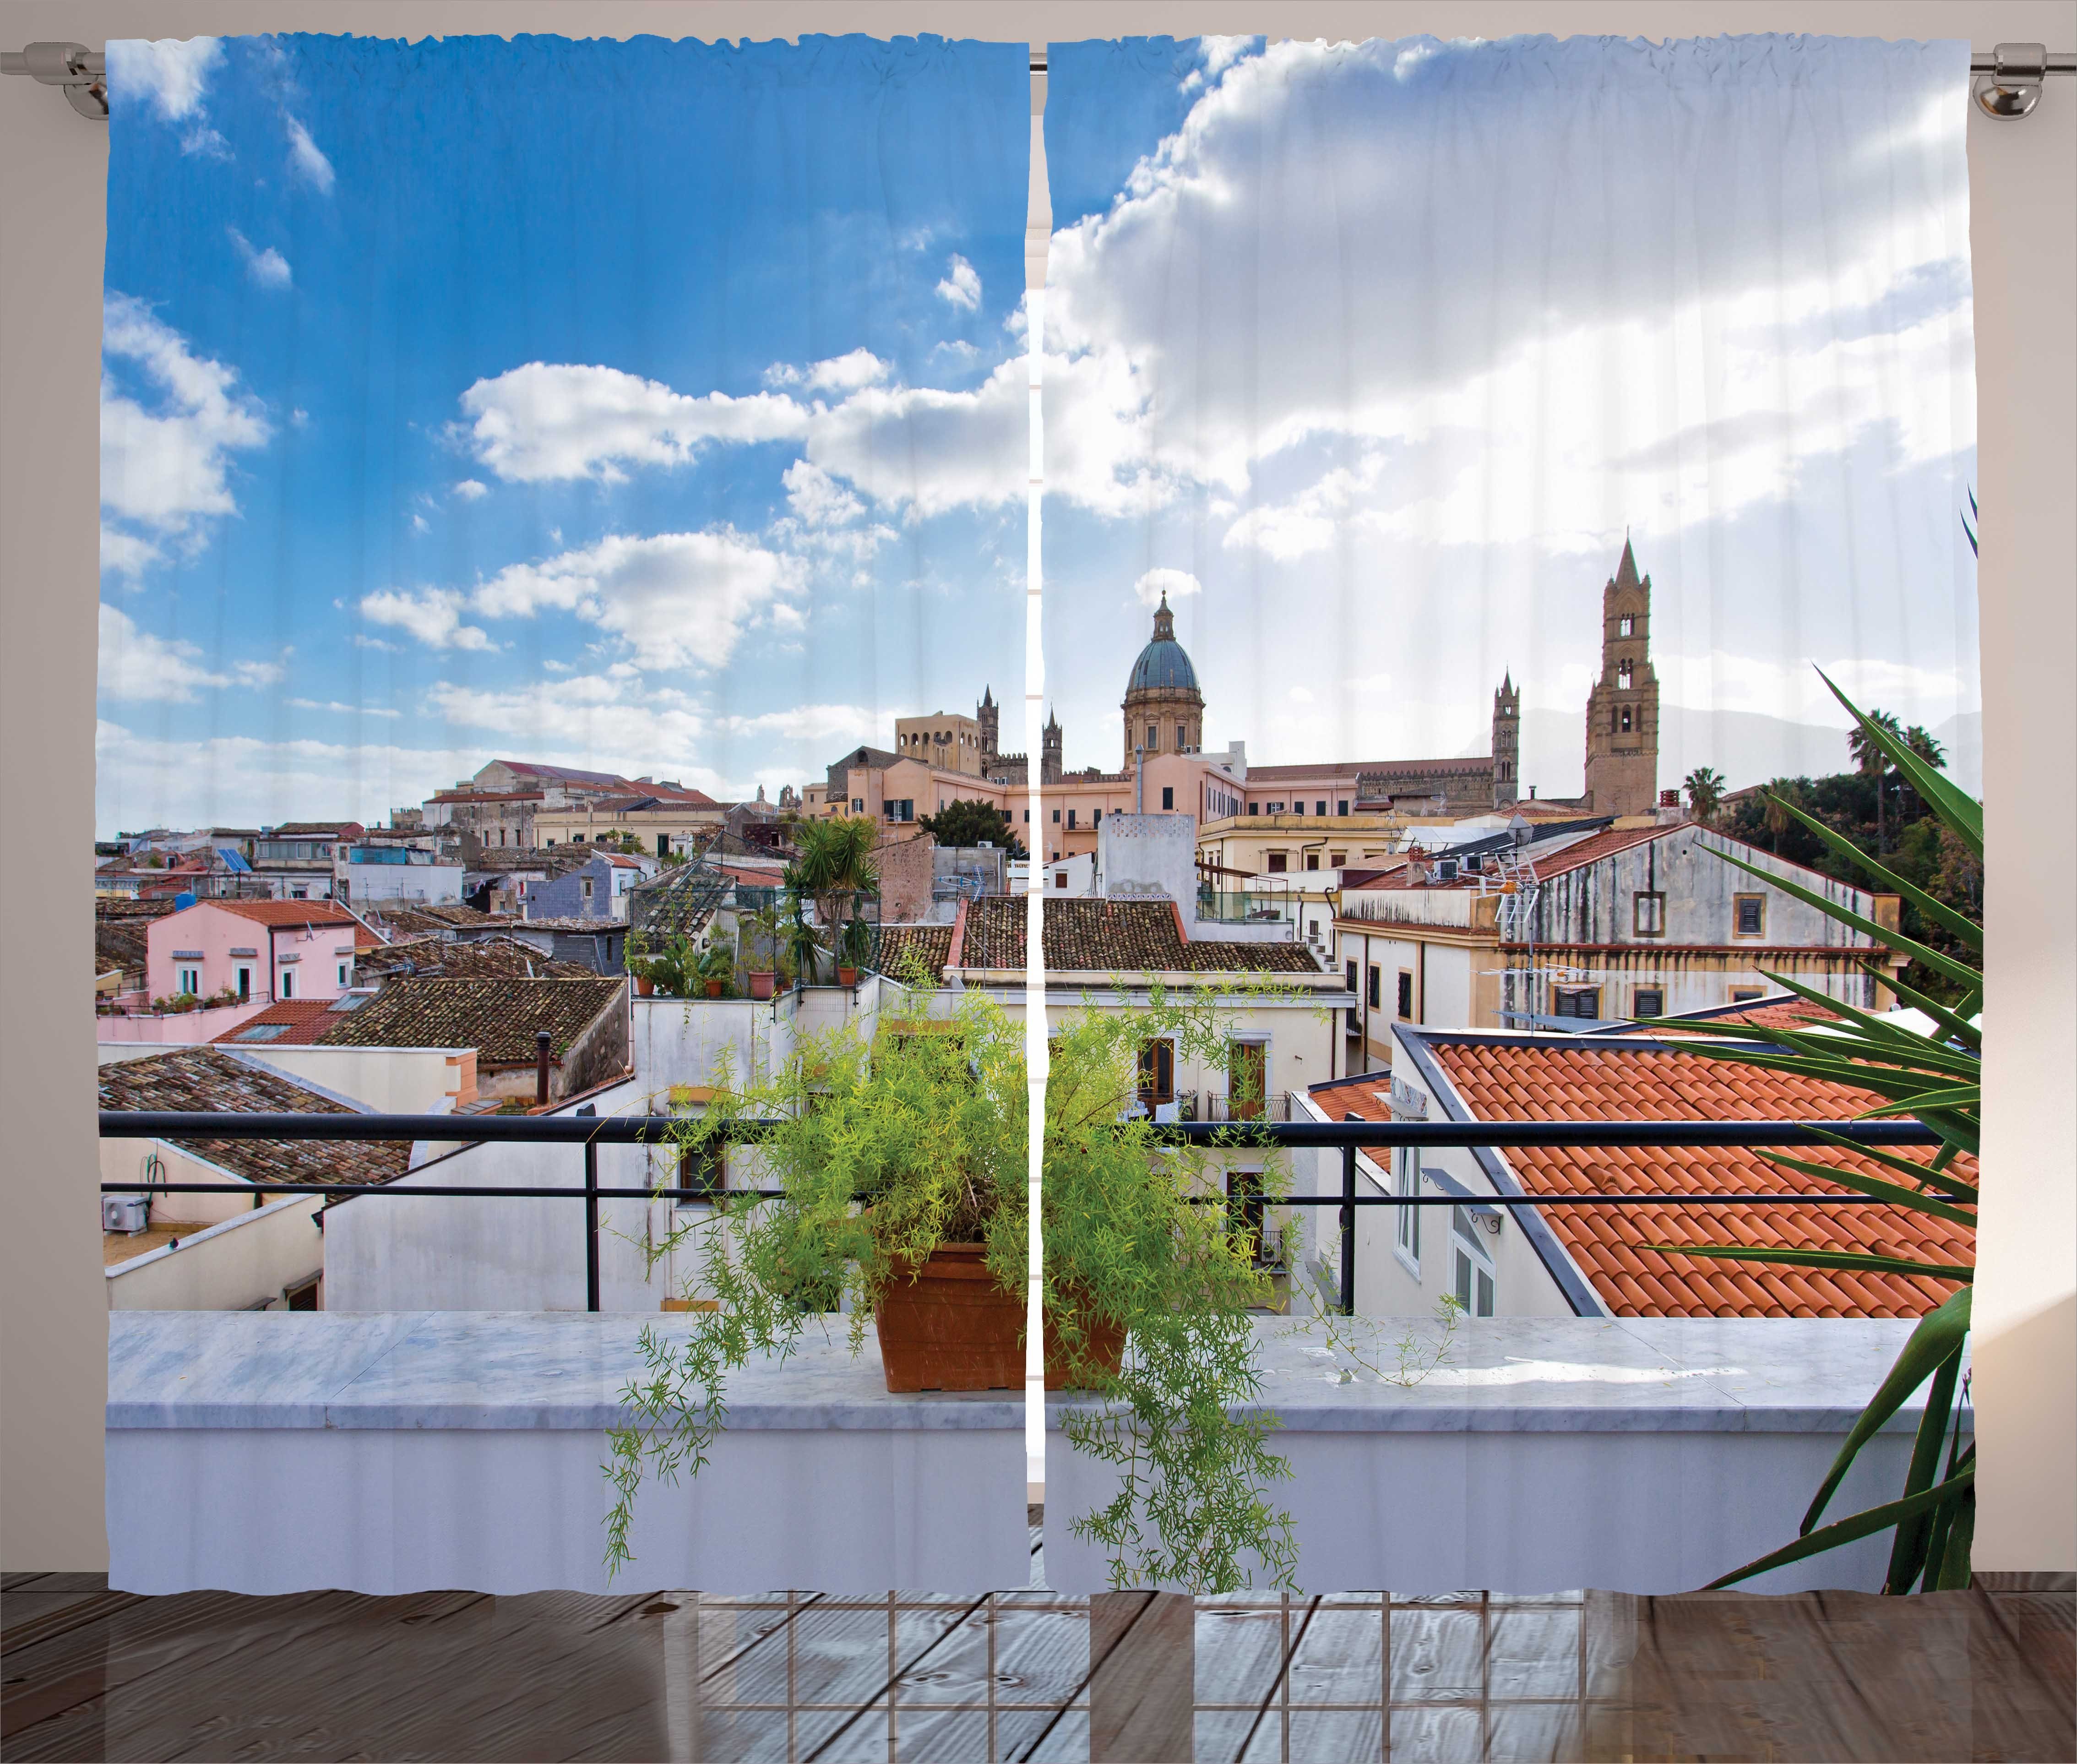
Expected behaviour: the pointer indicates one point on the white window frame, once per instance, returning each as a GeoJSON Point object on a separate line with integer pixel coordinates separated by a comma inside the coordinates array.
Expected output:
{"type": "Point", "coordinates": [1472, 1261]}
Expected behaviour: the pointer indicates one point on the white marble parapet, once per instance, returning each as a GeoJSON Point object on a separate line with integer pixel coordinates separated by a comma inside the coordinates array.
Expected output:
{"type": "Point", "coordinates": [273, 1452]}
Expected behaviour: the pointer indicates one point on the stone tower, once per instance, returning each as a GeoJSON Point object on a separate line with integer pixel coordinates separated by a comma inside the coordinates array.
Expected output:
{"type": "Point", "coordinates": [1049, 752]}
{"type": "Point", "coordinates": [1623, 710]}
{"type": "Point", "coordinates": [1507, 742]}
{"type": "Point", "coordinates": [987, 714]}
{"type": "Point", "coordinates": [1165, 712]}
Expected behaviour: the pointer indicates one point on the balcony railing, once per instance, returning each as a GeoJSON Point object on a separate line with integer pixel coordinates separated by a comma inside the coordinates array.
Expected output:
{"type": "Point", "coordinates": [589, 1132]}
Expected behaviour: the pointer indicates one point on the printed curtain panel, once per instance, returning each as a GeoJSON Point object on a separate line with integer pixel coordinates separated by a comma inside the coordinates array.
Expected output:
{"type": "Point", "coordinates": [1465, 464]}
{"type": "Point", "coordinates": [551, 490]}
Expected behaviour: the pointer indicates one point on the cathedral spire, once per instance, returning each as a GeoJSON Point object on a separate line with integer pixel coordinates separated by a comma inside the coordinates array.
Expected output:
{"type": "Point", "coordinates": [1165, 621]}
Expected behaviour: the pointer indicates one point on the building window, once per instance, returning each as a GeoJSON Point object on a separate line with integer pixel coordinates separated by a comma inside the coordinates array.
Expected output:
{"type": "Point", "coordinates": [1071, 818]}
{"type": "Point", "coordinates": [1153, 738]}
{"type": "Point", "coordinates": [287, 989]}
{"type": "Point", "coordinates": [1626, 626]}
{"type": "Point", "coordinates": [1474, 1268]}
{"type": "Point", "coordinates": [1406, 1000]}
{"type": "Point", "coordinates": [343, 980]}
{"type": "Point", "coordinates": [1319, 808]}
{"type": "Point", "coordinates": [1157, 1073]}
{"type": "Point", "coordinates": [1027, 817]}
{"type": "Point", "coordinates": [1312, 861]}
{"type": "Point", "coordinates": [1751, 914]}
{"type": "Point", "coordinates": [1406, 1178]}
{"type": "Point", "coordinates": [1372, 991]}
{"type": "Point", "coordinates": [1253, 809]}
{"type": "Point", "coordinates": [1625, 676]}
{"type": "Point", "coordinates": [1581, 1001]}
{"type": "Point", "coordinates": [299, 894]}
{"type": "Point", "coordinates": [857, 803]}
{"type": "Point", "coordinates": [1168, 797]}
{"type": "Point", "coordinates": [701, 1168]}
{"type": "Point", "coordinates": [244, 985]}
{"type": "Point", "coordinates": [1182, 736]}
{"type": "Point", "coordinates": [586, 890]}
{"type": "Point", "coordinates": [1745, 995]}
{"type": "Point", "coordinates": [1342, 805]}
{"type": "Point", "coordinates": [1623, 721]}
{"type": "Point", "coordinates": [1278, 862]}
{"type": "Point", "coordinates": [1056, 818]}
{"type": "Point", "coordinates": [1244, 1214]}
{"type": "Point", "coordinates": [1297, 807]}
{"type": "Point", "coordinates": [1648, 914]}
{"type": "Point", "coordinates": [1336, 860]}
{"type": "Point", "coordinates": [1648, 1001]}
{"type": "Point", "coordinates": [190, 982]}
{"type": "Point", "coordinates": [1060, 879]}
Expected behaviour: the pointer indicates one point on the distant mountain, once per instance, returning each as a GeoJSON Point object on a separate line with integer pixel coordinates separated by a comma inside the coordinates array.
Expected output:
{"type": "Point", "coordinates": [1746, 746]}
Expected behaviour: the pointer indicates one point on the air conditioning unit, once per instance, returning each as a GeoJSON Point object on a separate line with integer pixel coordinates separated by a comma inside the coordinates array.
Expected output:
{"type": "Point", "coordinates": [128, 1213]}
{"type": "Point", "coordinates": [1446, 870]}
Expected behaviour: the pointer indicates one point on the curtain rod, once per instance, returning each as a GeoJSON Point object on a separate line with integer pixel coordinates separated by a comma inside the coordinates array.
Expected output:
{"type": "Point", "coordinates": [2008, 84]}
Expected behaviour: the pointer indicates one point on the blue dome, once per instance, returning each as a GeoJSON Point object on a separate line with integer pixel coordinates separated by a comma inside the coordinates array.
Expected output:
{"type": "Point", "coordinates": [1164, 663]}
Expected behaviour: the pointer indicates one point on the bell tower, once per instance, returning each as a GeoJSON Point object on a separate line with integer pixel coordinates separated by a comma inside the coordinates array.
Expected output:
{"type": "Point", "coordinates": [1506, 741]}
{"type": "Point", "coordinates": [1049, 753]}
{"type": "Point", "coordinates": [989, 717]}
{"type": "Point", "coordinates": [1623, 710]}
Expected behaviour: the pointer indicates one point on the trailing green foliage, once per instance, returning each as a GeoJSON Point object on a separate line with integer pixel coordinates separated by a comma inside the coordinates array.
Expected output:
{"type": "Point", "coordinates": [882, 1151]}
{"type": "Point", "coordinates": [1934, 1078]}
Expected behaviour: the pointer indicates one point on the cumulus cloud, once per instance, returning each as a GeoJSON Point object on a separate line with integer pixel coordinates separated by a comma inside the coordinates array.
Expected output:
{"type": "Point", "coordinates": [559, 420]}
{"type": "Point", "coordinates": [676, 600]}
{"type": "Point", "coordinates": [607, 721]}
{"type": "Point", "coordinates": [961, 286]}
{"type": "Point", "coordinates": [137, 667]}
{"type": "Point", "coordinates": [165, 469]}
{"type": "Point", "coordinates": [268, 268]}
{"type": "Point", "coordinates": [171, 76]}
{"type": "Point", "coordinates": [1177, 584]}
{"type": "Point", "coordinates": [344, 710]}
{"type": "Point", "coordinates": [816, 498]}
{"type": "Point", "coordinates": [839, 373]}
{"type": "Point", "coordinates": [468, 490]}
{"type": "Point", "coordinates": [818, 726]}
{"type": "Point", "coordinates": [305, 159]}
{"type": "Point", "coordinates": [433, 616]}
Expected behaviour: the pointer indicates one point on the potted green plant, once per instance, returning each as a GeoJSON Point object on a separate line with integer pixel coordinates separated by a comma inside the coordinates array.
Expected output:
{"type": "Point", "coordinates": [715, 969]}
{"type": "Point", "coordinates": [891, 1178]}
{"type": "Point", "coordinates": [762, 955]}
{"type": "Point", "coordinates": [854, 951]}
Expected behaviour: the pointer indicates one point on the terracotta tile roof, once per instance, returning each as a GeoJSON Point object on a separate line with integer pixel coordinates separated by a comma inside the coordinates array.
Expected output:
{"type": "Point", "coordinates": [929, 944]}
{"type": "Point", "coordinates": [1538, 1080]}
{"type": "Point", "coordinates": [1597, 845]}
{"type": "Point", "coordinates": [280, 912]}
{"type": "Point", "coordinates": [497, 1017]}
{"type": "Point", "coordinates": [1114, 937]}
{"type": "Point", "coordinates": [205, 1080]}
{"type": "Point", "coordinates": [287, 1023]}
{"type": "Point", "coordinates": [483, 957]}
{"type": "Point", "coordinates": [1783, 1010]}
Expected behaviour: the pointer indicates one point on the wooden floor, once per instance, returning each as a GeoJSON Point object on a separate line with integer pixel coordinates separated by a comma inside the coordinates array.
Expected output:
{"type": "Point", "coordinates": [91, 1674]}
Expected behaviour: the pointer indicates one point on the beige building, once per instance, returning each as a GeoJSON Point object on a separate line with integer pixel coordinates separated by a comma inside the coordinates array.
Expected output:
{"type": "Point", "coordinates": [947, 741]}
{"type": "Point", "coordinates": [662, 819]}
{"type": "Point", "coordinates": [1601, 924]}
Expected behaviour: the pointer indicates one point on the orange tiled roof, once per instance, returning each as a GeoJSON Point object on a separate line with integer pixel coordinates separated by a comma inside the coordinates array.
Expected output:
{"type": "Point", "coordinates": [286, 912]}
{"type": "Point", "coordinates": [299, 1021]}
{"type": "Point", "coordinates": [1538, 1080]}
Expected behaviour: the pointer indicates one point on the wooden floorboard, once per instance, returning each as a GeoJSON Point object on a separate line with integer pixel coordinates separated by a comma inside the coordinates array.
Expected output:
{"type": "Point", "coordinates": [1028, 1675]}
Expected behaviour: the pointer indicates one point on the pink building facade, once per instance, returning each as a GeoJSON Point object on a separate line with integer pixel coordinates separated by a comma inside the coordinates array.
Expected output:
{"type": "Point", "coordinates": [252, 949]}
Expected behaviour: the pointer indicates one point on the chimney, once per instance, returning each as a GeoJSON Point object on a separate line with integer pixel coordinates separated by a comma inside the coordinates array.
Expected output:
{"type": "Point", "coordinates": [540, 1068]}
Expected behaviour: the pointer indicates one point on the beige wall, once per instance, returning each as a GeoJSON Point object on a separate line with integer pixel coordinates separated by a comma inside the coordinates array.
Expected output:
{"type": "Point", "coordinates": [53, 167]}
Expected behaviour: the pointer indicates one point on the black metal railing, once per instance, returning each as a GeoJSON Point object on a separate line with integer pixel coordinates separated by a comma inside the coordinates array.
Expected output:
{"type": "Point", "coordinates": [1348, 1137]}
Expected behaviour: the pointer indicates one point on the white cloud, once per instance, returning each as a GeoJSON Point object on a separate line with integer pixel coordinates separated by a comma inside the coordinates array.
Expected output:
{"type": "Point", "coordinates": [1177, 584]}
{"type": "Point", "coordinates": [1301, 695]}
{"type": "Point", "coordinates": [305, 159]}
{"type": "Point", "coordinates": [420, 524]}
{"type": "Point", "coordinates": [259, 673]}
{"type": "Point", "coordinates": [817, 499]}
{"type": "Point", "coordinates": [961, 286]}
{"type": "Point", "coordinates": [592, 720]}
{"type": "Point", "coordinates": [677, 599]}
{"type": "Point", "coordinates": [468, 490]}
{"type": "Point", "coordinates": [137, 667]}
{"type": "Point", "coordinates": [347, 710]}
{"type": "Point", "coordinates": [838, 373]}
{"type": "Point", "coordinates": [173, 75]}
{"type": "Point", "coordinates": [1788, 687]}
{"type": "Point", "coordinates": [433, 616]}
{"type": "Point", "coordinates": [817, 725]}
{"type": "Point", "coordinates": [268, 268]}
{"type": "Point", "coordinates": [166, 469]}
{"type": "Point", "coordinates": [545, 421]}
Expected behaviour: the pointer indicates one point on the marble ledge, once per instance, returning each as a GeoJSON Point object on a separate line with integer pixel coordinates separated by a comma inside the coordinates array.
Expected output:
{"type": "Point", "coordinates": [500, 1370]}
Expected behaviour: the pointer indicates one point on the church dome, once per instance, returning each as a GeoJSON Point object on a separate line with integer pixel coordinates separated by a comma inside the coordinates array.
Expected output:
{"type": "Point", "coordinates": [1164, 664]}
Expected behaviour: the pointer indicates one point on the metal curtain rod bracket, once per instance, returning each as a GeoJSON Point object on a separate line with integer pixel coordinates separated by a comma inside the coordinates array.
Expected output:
{"type": "Point", "coordinates": [2007, 84]}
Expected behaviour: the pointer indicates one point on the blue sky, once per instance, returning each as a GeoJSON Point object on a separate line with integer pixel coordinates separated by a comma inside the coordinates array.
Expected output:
{"type": "Point", "coordinates": [1376, 352]}
{"type": "Point", "coordinates": [464, 399]}
{"type": "Point", "coordinates": [661, 407]}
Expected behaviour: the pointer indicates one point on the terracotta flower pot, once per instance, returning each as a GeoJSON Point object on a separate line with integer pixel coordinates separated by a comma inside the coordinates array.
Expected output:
{"type": "Point", "coordinates": [760, 984]}
{"type": "Point", "coordinates": [714, 988]}
{"type": "Point", "coordinates": [846, 976]}
{"type": "Point", "coordinates": [951, 1328]}
{"type": "Point", "coordinates": [644, 987]}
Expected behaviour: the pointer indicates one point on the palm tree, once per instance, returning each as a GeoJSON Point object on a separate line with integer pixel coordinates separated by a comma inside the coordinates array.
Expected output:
{"type": "Point", "coordinates": [834, 868]}
{"type": "Point", "coordinates": [1869, 757]}
{"type": "Point", "coordinates": [1775, 815]}
{"type": "Point", "coordinates": [1705, 794]}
